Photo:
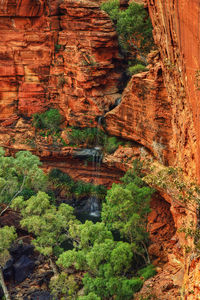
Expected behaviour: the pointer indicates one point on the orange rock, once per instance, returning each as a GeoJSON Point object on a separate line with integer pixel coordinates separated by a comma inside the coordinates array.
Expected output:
{"type": "Point", "coordinates": [58, 55]}
{"type": "Point", "coordinates": [177, 37]}
{"type": "Point", "coordinates": [144, 114]}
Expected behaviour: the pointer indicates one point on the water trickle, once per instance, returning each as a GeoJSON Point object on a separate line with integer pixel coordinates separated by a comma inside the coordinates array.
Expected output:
{"type": "Point", "coordinates": [117, 102]}
{"type": "Point", "coordinates": [95, 155]}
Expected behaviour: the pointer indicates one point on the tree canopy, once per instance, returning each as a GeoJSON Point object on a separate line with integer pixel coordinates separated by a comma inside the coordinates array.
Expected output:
{"type": "Point", "coordinates": [20, 175]}
{"type": "Point", "coordinates": [132, 25]}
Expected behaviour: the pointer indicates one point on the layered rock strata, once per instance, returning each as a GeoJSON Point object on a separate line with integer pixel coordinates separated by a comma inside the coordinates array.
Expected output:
{"type": "Point", "coordinates": [144, 114]}
{"type": "Point", "coordinates": [176, 34]}
{"type": "Point", "coordinates": [56, 55]}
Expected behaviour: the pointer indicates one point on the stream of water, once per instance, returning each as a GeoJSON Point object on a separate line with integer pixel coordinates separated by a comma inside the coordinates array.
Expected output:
{"type": "Point", "coordinates": [91, 209]}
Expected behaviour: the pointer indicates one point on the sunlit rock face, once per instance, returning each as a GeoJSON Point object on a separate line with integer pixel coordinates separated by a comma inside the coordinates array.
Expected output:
{"type": "Point", "coordinates": [144, 114]}
{"type": "Point", "coordinates": [56, 55]}
{"type": "Point", "coordinates": [177, 35]}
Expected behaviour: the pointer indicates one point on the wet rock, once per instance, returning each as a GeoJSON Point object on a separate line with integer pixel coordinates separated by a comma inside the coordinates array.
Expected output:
{"type": "Point", "coordinates": [94, 155]}
{"type": "Point", "coordinates": [18, 250]}
{"type": "Point", "coordinates": [23, 268]}
{"type": "Point", "coordinates": [8, 269]}
{"type": "Point", "coordinates": [91, 208]}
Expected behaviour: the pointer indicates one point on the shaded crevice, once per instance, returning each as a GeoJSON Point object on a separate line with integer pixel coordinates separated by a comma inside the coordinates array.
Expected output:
{"type": "Point", "coordinates": [161, 228]}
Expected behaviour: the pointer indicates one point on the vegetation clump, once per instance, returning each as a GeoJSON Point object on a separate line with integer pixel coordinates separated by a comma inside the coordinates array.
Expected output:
{"type": "Point", "coordinates": [132, 25]}
{"type": "Point", "coordinates": [134, 30]}
{"type": "Point", "coordinates": [103, 254]}
{"type": "Point", "coordinates": [93, 137]}
{"type": "Point", "coordinates": [75, 189]}
{"type": "Point", "coordinates": [136, 69]}
{"type": "Point", "coordinates": [49, 120]}
{"type": "Point", "coordinates": [7, 236]}
{"type": "Point", "coordinates": [106, 261]}
{"type": "Point", "coordinates": [20, 175]}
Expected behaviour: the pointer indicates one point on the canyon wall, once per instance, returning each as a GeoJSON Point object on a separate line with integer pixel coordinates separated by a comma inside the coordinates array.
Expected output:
{"type": "Point", "coordinates": [177, 36]}
{"type": "Point", "coordinates": [160, 110]}
{"type": "Point", "coordinates": [65, 56]}
{"type": "Point", "coordinates": [166, 119]}
{"type": "Point", "coordinates": [56, 55]}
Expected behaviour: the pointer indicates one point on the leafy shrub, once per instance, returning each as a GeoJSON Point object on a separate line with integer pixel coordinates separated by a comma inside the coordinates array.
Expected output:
{"type": "Point", "coordinates": [49, 120]}
{"type": "Point", "coordinates": [112, 8]}
{"type": "Point", "coordinates": [46, 221]}
{"type": "Point", "coordinates": [137, 69]}
{"type": "Point", "coordinates": [90, 136]}
{"type": "Point", "coordinates": [56, 175]}
{"type": "Point", "coordinates": [147, 272]}
{"type": "Point", "coordinates": [126, 210]}
{"type": "Point", "coordinates": [76, 189]}
{"type": "Point", "coordinates": [20, 175]}
{"type": "Point", "coordinates": [105, 261]}
{"type": "Point", "coordinates": [111, 144]}
{"type": "Point", "coordinates": [64, 287]}
{"type": "Point", "coordinates": [132, 25]}
{"type": "Point", "coordinates": [90, 296]}
{"type": "Point", "coordinates": [57, 47]}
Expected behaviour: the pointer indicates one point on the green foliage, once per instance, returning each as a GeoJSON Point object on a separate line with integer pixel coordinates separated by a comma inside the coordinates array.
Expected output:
{"type": "Point", "coordinates": [7, 236]}
{"type": "Point", "coordinates": [111, 144]}
{"type": "Point", "coordinates": [87, 136]}
{"type": "Point", "coordinates": [64, 287]}
{"type": "Point", "coordinates": [57, 47]}
{"type": "Point", "coordinates": [93, 136]}
{"type": "Point", "coordinates": [147, 272]}
{"type": "Point", "coordinates": [56, 175]}
{"type": "Point", "coordinates": [20, 175]}
{"type": "Point", "coordinates": [90, 296]}
{"type": "Point", "coordinates": [126, 210]}
{"type": "Point", "coordinates": [105, 261]}
{"type": "Point", "coordinates": [133, 26]}
{"type": "Point", "coordinates": [112, 8]}
{"type": "Point", "coordinates": [48, 223]}
{"type": "Point", "coordinates": [75, 189]}
{"type": "Point", "coordinates": [49, 120]}
{"type": "Point", "coordinates": [136, 69]}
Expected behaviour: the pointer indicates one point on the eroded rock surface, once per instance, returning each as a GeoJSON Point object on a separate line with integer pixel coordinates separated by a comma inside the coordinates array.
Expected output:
{"type": "Point", "coordinates": [144, 114]}
{"type": "Point", "coordinates": [56, 55]}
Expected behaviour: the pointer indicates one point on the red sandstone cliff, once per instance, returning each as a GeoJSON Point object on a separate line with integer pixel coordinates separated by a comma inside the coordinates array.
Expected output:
{"type": "Point", "coordinates": [165, 120]}
{"type": "Point", "coordinates": [65, 56]}
{"type": "Point", "coordinates": [59, 55]}
{"type": "Point", "coordinates": [177, 35]}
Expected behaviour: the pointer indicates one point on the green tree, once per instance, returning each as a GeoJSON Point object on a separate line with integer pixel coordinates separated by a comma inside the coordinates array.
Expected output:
{"type": "Point", "coordinates": [105, 260]}
{"type": "Point", "coordinates": [132, 25]}
{"type": "Point", "coordinates": [64, 286]}
{"type": "Point", "coordinates": [48, 223]}
{"type": "Point", "coordinates": [7, 236]}
{"type": "Point", "coordinates": [18, 174]}
{"type": "Point", "coordinates": [126, 210]}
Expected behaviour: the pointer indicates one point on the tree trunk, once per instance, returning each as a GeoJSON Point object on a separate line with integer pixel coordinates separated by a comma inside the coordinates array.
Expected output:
{"type": "Point", "coordinates": [4, 287]}
{"type": "Point", "coordinates": [53, 266]}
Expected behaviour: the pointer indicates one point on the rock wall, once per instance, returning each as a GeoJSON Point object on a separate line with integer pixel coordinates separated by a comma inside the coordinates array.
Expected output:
{"type": "Point", "coordinates": [160, 110]}
{"type": "Point", "coordinates": [56, 55]}
{"type": "Point", "coordinates": [144, 114]}
{"type": "Point", "coordinates": [177, 36]}
{"type": "Point", "coordinates": [65, 55]}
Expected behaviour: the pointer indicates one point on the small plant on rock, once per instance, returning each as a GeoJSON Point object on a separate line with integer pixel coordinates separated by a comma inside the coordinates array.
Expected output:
{"type": "Point", "coordinates": [49, 120]}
